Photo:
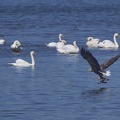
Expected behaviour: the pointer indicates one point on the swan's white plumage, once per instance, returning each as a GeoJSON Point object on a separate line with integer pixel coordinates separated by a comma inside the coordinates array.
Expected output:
{"type": "Point", "coordinates": [16, 46]}
{"type": "Point", "coordinates": [54, 44]}
{"type": "Point", "coordinates": [92, 42]}
{"type": "Point", "coordinates": [2, 41]}
{"type": "Point", "coordinates": [108, 43]}
{"type": "Point", "coordinates": [51, 44]}
{"type": "Point", "coordinates": [60, 44]}
{"type": "Point", "coordinates": [69, 49]}
{"type": "Point", "coordinates": [23, 63]}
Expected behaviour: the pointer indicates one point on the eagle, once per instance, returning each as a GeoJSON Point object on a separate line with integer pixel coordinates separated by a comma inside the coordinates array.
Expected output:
{"type": "Point", "coordinates": [96, 67]}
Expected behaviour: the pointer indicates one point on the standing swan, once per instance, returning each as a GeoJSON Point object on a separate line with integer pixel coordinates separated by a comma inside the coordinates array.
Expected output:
{"type": "Point", "coordinates": [108, 43]}
{"type": "Point", "coordinates": [23, 63]}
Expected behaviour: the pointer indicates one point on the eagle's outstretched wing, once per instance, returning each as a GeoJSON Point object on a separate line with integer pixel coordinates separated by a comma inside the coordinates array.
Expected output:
{"type": "Point", "coordinates": [109, 62]}
{"type": "Point", "coordinates": [91, 60]}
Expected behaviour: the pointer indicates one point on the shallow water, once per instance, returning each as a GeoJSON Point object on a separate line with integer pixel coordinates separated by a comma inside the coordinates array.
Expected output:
{"type": "Point", "coordinates": [59, 87]}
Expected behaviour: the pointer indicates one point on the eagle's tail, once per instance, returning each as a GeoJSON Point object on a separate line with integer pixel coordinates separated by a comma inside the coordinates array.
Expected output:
{"type": "Point", "coordinates": [106, 73]}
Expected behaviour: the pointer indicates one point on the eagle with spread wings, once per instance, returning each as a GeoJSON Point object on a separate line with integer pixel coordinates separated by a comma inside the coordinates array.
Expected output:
{"type": "Point", "coordinates": [96, 67]}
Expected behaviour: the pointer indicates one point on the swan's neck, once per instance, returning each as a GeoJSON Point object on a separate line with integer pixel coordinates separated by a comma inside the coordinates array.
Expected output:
{"type": "Point", "coordinates": [32, 59]}
{"type": "Point", "coordinates": [115, 41]}
{"type": "Point", "coordinates": [60, 39]}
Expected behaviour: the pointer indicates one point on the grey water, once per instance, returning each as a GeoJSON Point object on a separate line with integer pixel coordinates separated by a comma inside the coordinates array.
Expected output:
{"type": "Point", "coordinates": [59, 87]}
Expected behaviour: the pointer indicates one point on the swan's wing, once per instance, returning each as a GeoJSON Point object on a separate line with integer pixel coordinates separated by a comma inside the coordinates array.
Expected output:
{"type": "Point", "coordinates": [51, 44]}
{"type": "Point", "coordinates": [106, 43]}
{"type": "Point", "coordinates": [12, 46]}
{"type": "Point", "coordinates": [91, 60]}
{"type": "Point", "coordinates": [60, 50]}
{"type": "Point", "coordinates": [109, 62]}
{"type": "Point", "coordinates": [14, 64]}
{"type": "Point", "coordinates": [68, 47]}
{"type": "Point", "coordinates": [100, 44]}
{"type": "Point", "coordinates": [21, 61]}
{"type": "Point", "coordinates": [59, 45]}
{"type": "Point", "coordinates": [71, 49]}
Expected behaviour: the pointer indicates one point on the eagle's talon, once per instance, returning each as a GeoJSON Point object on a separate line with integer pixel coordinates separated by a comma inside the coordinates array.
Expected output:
{"type": "Point", "coordinates": [104, 82]}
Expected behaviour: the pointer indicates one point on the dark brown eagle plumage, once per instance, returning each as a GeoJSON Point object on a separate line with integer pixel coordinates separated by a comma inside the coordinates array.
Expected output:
{"type": "Point", "coordinates": [95, 66]}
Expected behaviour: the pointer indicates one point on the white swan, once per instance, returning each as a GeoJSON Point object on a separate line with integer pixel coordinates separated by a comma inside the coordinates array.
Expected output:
{"type": "Point", "coordinates": [51, 44]}
{"type": "Point", "coordinates": [108, 43]}
{"type": "Point", "coordinates": [92, 42]}
{"type": "Point", "coordinates": [60, 45]}
{"type": "Point", "coordinates": [2, 41]}
{"type": "Point", "coordinates": [54, 44]}
{"type": "Point", "coordinates": [23, 63]}
{"type": "Point", "coordinates": [69, 49]}
{"type": "Point", "coordinates": [61, 42]}
{"type": "Point", "coordinates": [16, 46]}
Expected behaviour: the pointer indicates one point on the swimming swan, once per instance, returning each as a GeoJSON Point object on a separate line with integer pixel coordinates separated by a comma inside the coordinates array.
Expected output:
{"type": "Point", "coordinates": [2, 41]}
{"type": "Point", "coordinates": [23, 63]}
{"type": "Point", "coordinates": [108, 43]}
{"type": "Point", "coordinates": [51, 44]}
{"type": "Point", "coordinates": [16, 46]}
{"type": "Point", "coordinates": [69, 49]}
{"type": "Point", "coordinates": [61, 42]}
{"type": "Point", "coordinates": [92, 42]}
{"type": "Point", "coordinates": [54, 44]}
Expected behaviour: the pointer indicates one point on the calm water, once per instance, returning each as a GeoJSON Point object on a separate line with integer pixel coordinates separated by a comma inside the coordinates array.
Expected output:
{"type": "Point", "coordinates": [59, 87]}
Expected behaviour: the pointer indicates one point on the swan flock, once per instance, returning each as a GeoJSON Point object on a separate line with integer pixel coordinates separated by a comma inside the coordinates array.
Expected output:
{"type": "Point", "coordinates": [63, 48]}
{"type": "Point", "coordinates": [95, 42]}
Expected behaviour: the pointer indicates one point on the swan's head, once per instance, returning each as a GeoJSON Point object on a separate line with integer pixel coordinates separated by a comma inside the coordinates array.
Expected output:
{"type": "Point", "coordinates": [32, 52]}
{"type": "Point", "coordinates": [60, 35]}
{"type": "Point", "coordinates": [16, 42]}
{"type": "Point", "coordinates": [89, 39]}
{"type": "Point", "coordinates": [116, 34]}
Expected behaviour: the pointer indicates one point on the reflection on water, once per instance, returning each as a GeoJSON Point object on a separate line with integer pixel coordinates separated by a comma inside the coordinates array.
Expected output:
{"type": "Point", "coordinates": [96, 93]}
{"type": "Point", "coordinates": [70, 57]}
{"type": "Point", "coordinates": [20, 69]}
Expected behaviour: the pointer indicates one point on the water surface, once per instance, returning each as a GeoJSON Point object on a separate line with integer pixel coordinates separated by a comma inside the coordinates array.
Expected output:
{"type": "Point", "coordinates": [59, 87]}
